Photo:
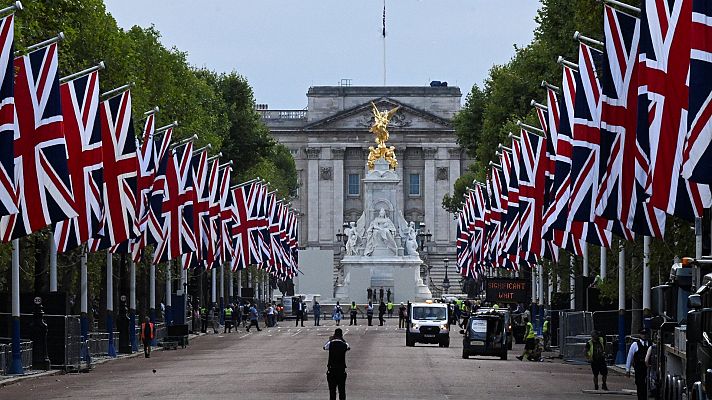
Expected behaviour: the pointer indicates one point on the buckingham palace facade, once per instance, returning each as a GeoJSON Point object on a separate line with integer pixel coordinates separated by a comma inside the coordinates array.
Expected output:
{"type": "Point", "coordinates": [329, 141]}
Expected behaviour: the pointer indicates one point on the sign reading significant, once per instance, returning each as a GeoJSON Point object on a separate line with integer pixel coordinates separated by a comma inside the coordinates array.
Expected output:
{"type": "Point", "coordinates": [506, 290]}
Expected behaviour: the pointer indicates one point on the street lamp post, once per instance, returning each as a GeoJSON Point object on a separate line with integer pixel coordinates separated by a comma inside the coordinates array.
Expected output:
{"type": "Point", "coordinates": [446, 280]}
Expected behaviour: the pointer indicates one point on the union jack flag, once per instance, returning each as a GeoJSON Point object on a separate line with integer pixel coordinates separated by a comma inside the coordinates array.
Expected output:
{"type": "Point", "coordinates": [203, 176]}
{"type": "Point", "coordinates": [82, 131]}
{"type": "Point", "coordinates": [42, 183]}
{"type": "Point", "coordinates": [225, 218]}
{"type": "Point", "coordinates": [495, 186]}
{"type": "Point", "coordinates": [665, 47]}
{"type": "Point", "coordinates": [7, 116]}
{"type": "Point", "coordinates": [510, 242]}
{"type": "Point", "coordinates": [177, 209]}
{"type": "Point", "coordinates": [248, 225]}
{"type": "Point", "coordinates": [263, 236]}
{"type": "Point", "coordinates": [532, 180]}
{"type": "Point", "coordinates": [119, 223]}
{"type": "Point", "coordinates": [618, 195]}
{"type": "Point", "coordinates": [293, 235]}
{"type": "Point", "coordinates": [288, 263]}
{"type": "Point", "coordinates": [462, 244]}
{"type": "Point", "coordinates": [277, 261]}
{"type": "Point", "coordinates": [697, 154]}
{"type": "Point", "coordinates": [146, 154]}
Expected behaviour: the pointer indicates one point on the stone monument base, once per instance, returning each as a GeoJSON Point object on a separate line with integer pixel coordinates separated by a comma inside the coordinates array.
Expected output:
{"type": "Point", "coordinates": [400, 274]}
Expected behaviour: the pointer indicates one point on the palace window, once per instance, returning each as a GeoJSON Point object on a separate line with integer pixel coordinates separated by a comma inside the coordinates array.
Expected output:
{"type": "Point", "coordinates": [414, 185]}
{"type": "Point", "coordinates": [354, 184]}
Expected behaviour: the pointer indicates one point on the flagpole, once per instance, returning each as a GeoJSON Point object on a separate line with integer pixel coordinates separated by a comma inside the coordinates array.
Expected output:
{"type": "Point", "coordinates": [604, 261]}
{"type": "Point", "coordinates": [80, 74]}
{"type": "Point", "coordinates": [168, 319]}
{"type": "Point", "coordinates": [625, 6]}
{"type": "Point", "coordinates": [52, 264]}
{"type": "Point", "coordinates": [384, 42]}
{"type": "Point", "coordinates": [646, 276]}
{"type": "Point", "coordinates": [572, 281]}
{"type": "Point", "coordinates": [110, 302]}
{"type": "Point", "coordinates": [11, 9]}
{"type": "Point", "coordinates": [115, 92]}
{"type": "Point", "coordinates": [16, 365]}
{"type": "Point", "coordinates": [211, 158]}
{"type": "Point", "coordinates": [56, 39]}
{"type": "Point", "coordinates": [132, 304]}
{"type": "Point", "coordinates": [621, 355]}
{"type": "Point", "coordinates": [152, 296]}
{"type": "Point", "coordinates": [165, 128]}
{"type": "Point", "coordinates": [587, 40]}
{"type": "Point", "coordinates": [84, 301]}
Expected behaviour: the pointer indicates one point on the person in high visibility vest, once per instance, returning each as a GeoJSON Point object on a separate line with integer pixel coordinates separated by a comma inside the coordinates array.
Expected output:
{"type": "Point", "coordinates": [545, 330]}
{"type": "Point", "coordinates": [147, 334]}
{"type": "Point", "coordinates": [596, 355]}
{"type": "Point", "coordinates": [389, 307]}
{"type": "Point", "coordinates": [228, 320]}
{"type": "Point", "coordinates": [529, 339]}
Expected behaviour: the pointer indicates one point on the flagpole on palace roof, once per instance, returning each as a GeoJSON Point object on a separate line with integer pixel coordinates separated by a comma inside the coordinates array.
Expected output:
{"type": "Point", "coordinates": [11, 9]}
{"type": "Point", "coordinates": [115, 92]}
{"type": "Point", "coordinates": [58, 38]}
{"type": "Point", "coordinates": [85, 72]}
{"type": "Point", "coordinates": [384, 42]}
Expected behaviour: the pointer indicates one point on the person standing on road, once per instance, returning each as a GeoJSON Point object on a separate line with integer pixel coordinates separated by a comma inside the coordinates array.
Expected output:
{"type": "Point", "coordinates": [147, 336]}
{"type": "Point", "coordinates": [212, 318]}
{"type": "Point", "coordinates": [203, 320]}
{"type": "Point", "coordinates": [317, 313]}
{"type": "Point", "coordinates": [336, 366]}
{"type": "Point", "coordinates": [270, 316]}
{"type": "Point", "coordinates": [545, 330]}
{"type": "Point", "coordinates": [254, 317]}
{"type": "Point", "coordinates": [353, 313]}
{"type": "Point", "coordinates": [228, 319]}
{"type": "Point", "coordinates": [636, 357]}
{"type": "Point", "coordinates": [402, 316]}
{"type": "Point", "coordinates": [529, 339]}
{"type": "Point", "coordinates": [369, 313]}
{"type": "Point", "coordinates": [381, 312]}
{"type": "Point", "coordinates": [596, 355]}
{"type": "Point", "coordinates": [337, 313]}
{"type": "Point", "coordinates": [300, 313]}
{"type": "Point", "coordinates": [389, 306]}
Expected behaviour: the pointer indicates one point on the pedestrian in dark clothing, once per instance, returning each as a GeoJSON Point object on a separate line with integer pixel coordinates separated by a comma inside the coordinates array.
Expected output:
{"type": "Point", "coordinates": [254, 317]}
{"type": "Point", "coordinates": [596, 355]}
{"type": "Point", "coordinates": [402, 316]}
{"type": "Point", "coordinates": [369, 313]}
{"type": "Point", "coordinates": [203, 320]}
{"type": "Point", "coordinates": [317, 313]}
{"type": "Point", "coordinates": [381, 313]}
{"type": "Point", "coordinates": [354, 312]}
{"type": "Point", "coordinates": [380, 294]}
{"type": "Point", "coordinates": [636, 358]}
{"type": "Point", "coordinates": [300, 313]}
{"type": "Point", "coordinates": [336, 367]}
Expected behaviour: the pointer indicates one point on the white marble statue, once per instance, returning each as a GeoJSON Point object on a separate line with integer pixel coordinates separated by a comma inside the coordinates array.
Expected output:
{"type": "Point", "coordinates": [352, 241]}
{"type": "Point", "coordinates": [381, 234]}
{"type": "Point", "coordinates": [411, 241]}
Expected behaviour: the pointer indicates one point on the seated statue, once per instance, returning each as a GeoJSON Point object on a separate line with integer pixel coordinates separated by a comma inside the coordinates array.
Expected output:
{"type": "Point", "coordinates": [381, 233]}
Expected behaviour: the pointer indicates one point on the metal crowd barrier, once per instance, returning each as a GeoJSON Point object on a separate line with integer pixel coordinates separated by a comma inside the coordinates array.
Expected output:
{"type": "Point", "coordinates": [574, 331]}
{"type": "Point", "coordinates": [98, 344]}
{"type": "Point", "coordinates": [25, 351]}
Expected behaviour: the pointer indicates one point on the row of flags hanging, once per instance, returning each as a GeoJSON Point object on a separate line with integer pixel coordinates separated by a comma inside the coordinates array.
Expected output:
{"type": "Point", "coordinates": [623, 141]}
{"type": "Point", "coordinates": [69, 158]}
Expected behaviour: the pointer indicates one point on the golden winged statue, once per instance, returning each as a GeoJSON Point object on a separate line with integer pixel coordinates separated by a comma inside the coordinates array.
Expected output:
{"type": "Point", "coordinates": [380, 129]}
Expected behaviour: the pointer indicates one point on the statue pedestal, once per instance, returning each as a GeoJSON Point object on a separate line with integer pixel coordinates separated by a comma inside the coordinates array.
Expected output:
{"type": "Point", "coordinates": [400, 274]}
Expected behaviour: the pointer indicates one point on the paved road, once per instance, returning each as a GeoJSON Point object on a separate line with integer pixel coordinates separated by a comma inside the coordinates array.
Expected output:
{"type": "Point", "coordinates": [288, 363]}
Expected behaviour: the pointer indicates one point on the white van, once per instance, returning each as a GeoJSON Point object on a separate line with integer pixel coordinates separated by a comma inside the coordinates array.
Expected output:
{"type": "Point", "coordinates": [428, 323]}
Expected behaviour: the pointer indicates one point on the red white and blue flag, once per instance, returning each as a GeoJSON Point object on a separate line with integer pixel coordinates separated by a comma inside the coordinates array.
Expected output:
{"type": "Point", "coordinates": [8, 203]}
{"type": "Point", "coordinates": [82, 131]}
{"type": "Point", "coordinates": [248, 224]}
{"type": "Point", "coordinates": [41, 175]}
{"type": "Point", "coordinates": [532, 180]}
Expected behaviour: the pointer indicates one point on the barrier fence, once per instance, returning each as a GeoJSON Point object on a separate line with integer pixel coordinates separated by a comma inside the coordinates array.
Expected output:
{"type": "Point", "coordinates": [6, 354]}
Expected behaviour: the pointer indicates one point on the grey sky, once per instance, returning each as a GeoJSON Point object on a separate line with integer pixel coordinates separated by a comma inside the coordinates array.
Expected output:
{"type": "Point", "coordinates": [285, 46]}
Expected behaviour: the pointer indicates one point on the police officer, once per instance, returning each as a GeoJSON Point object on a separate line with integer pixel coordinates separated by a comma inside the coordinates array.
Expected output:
{"type": "Point", "coordinates": [300, 312]}
{"type": "Point", "coordinates": [336, 366]}
{"type": "Point", "coordinates": [228, 319]}
{"type": "Point", "coordinates": [317, 313]}
{"type": "Point", "coordinates": [636, 357]}
{"type": "Point", "coordinates": [596, 355]}
{"type": "Point", "coordinates": [529, 339]}
{"type": "Point", "coordinates": [545, 330]}
{"type": "Point", "coordinates": [353, 313]}
{"type": "Point", "coordinates": [381, 312]}
{"type": "Point", "coordinates": [389, 307]}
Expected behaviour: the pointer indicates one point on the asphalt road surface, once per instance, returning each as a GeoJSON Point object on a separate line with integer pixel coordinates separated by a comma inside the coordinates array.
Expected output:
{"type": "Point", "coordinates": [288, 363]}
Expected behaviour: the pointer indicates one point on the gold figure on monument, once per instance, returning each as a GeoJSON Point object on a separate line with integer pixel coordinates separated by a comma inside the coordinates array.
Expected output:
{"type": "Point", "coordinates": [380, 129]}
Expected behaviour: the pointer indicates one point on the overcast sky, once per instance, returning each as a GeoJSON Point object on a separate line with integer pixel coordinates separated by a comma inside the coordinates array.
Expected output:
{"type": "Point", "coordinates": [285, 46]}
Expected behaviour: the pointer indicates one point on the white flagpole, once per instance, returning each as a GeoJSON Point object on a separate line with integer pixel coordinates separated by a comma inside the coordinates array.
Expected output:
{"type": "Point", "coordinates": [52, 264]}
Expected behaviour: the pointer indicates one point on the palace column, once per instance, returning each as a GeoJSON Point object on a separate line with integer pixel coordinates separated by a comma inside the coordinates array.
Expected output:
{"type": "Point", "coordinates": [429, 154]}
{"type": "Point", "coordinates": [337, 156]}
{"type": "Point", "coordinates": [313, 154]}
{"type": "Point", "coordinates": [455, 153]}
